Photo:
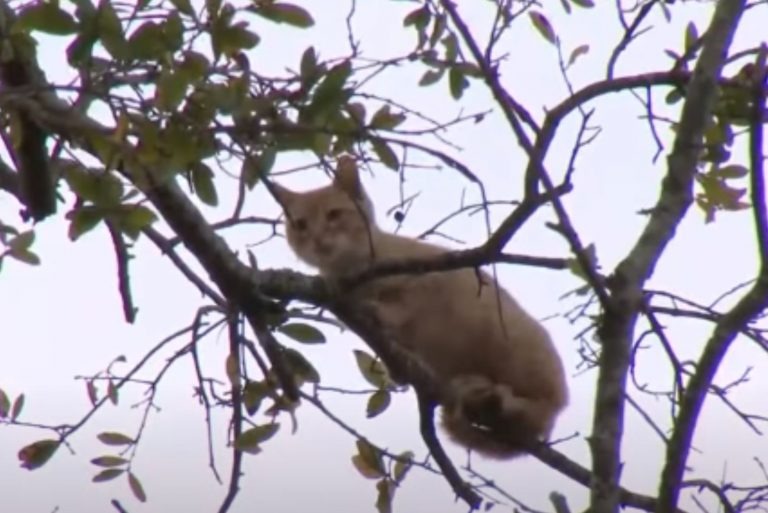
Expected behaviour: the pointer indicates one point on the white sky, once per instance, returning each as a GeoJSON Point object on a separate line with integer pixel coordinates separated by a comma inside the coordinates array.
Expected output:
{"type": "Point", "coordinates": [64, 319]}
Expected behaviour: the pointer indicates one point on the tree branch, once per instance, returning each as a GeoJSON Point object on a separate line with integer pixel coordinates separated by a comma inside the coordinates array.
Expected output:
{"type": "Point", "coordinates": [676, 197]}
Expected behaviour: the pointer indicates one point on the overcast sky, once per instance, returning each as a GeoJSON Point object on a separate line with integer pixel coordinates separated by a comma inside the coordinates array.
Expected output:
{"type": "Point", "coordinates": [63, 319]}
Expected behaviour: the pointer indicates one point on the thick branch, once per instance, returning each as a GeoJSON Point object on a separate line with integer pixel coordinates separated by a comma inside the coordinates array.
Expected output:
{"type": "Point", "coordinates": [676, 196]}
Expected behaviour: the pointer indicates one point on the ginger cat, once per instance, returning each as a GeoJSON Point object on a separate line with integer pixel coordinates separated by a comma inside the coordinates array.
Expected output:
{"type": "Point", "coordinates": [503, 379]}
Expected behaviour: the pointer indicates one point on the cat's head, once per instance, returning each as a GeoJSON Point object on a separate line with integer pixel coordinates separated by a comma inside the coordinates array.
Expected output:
{"type": "Point", "coordinates": [330, 228]}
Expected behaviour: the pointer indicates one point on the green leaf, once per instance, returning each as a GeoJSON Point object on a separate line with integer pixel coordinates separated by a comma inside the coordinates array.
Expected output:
{"type": "Point", "coordinates": [202, 183]}
{"type": "Point", "coordinates": [304, 333]}
{"type": "Point", "coordinates": [674, 96]}
{"type": "Point", "coordinates": [356, 111]}
{"type": "Point", "coordinates": [46, 17]}
{"type": "Point", "coordinates": [308, 68]}
{"type": "Point", "coordinates": [254, 393]}
{"type": "Point", "coordinates": [431, 76]}
{"type": "Point", "coordinates": [386, 489]}
{"type": "Point", "coordinates": [691, 35]}
{"type": "Point", "coordinates": [330, 92]}
{"type": "Point", "coordinates": [402, 466]}
{"type": "Point", "coordinates": [25, 255]}
{"type": "Point", "coordinates": [194, 66]}
{"type": "Point", "coordinates": [109, 461]}
{"type": "Point", "coordinates": [300, 366]}
{"type": "Point", "coordinates": [37, 454]}
{"type": "Point", "coordinates": [731, 171]}
{"type": "Point", "coordinates": [132, 219]}
{"type": "Point", "coordinates": [543, 26]}
{"type": "Point", "coordinates": [285, 13]}
{"type": "Point", "coordinates": [184, 6]}
{"type": "Point", "coordinates": [108, 474]}
{"type": "Point", "coordinates": [383, 119]}
{"type": "Point", "coordinates": [171, 90]}
{"type": "Point", "coordinates": [377, 403]}
{"type": "Point", "coordinates": [112, 392]}
{"type": "Point", "coordinates": [457, 83]}
{"type": "Point", "coordinates": [584, 3]}
{"type": "Point", "coordinates": [18, 406]}
{"type": "Point", "coordinates": [113, 438]}
{"type": "Point", "coordinates": [136, 487]}
{"type": "Point", "coordinates": [577, 52]}
{"type": "Point", "coordinates": [22, 241]}
{"type": "Point", "coordinates": [111, 30]}
{"type": "Point", "coordinates": [386, 154]}
{"type": "Point", "coordinates": [173, 32]}
{"type": "Point", "coordinates": [230, 40]}
{"type": "Point", "coordinates": [83, 220]}
{"type": "Point", "coordinates": [363, 468]}
{"type": "Point", "coordinates": [147, 42]}
{"type": "Point", "coordinates": [372, 370]}
{"type": "Point", "coordinates": [370, 462]}
{"type": "Point", "coordinates": [418, 18]}
{"type": "Point", "coordinates": [100, 188]}
{"type": "Point", "coordinates": [255, 168]}
{"type": "Point", "coordinates": [5, 404]}
{"type": "Point", "coordinates": [249, 440]}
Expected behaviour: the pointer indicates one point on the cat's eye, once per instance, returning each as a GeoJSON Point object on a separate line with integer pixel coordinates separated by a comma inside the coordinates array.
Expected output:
{"type": "Point", "coordinates": [333, 214]}
{"type": "Point", "coordinates": [299, 224]}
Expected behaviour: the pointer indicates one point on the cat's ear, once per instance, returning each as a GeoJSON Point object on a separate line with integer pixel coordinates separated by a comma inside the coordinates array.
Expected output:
{"type": "Point", "coordinates": [283, 196]}
{"type": "Point", "coordinates": [347, 177]}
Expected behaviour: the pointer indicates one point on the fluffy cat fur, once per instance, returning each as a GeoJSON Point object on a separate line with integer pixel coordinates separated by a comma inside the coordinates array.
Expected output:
{"type": "Point", "coordinates": [503, 378]}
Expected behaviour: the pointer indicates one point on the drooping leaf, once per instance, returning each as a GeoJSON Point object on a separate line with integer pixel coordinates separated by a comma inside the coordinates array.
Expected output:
{"type": "Point", "coordinates": [372, 370]}
{"type": "Point", "coordinates": [112, 392]}
{"type": "Point", "coordinates": [386, 154]}
{"type": "Point", "coordinates": [37, 454]}
{"type": "Point", "coordinates": [254, 393]}
{"type": "Point", "coordinates": [377, 403]}
{"type": "Point", "coordinates": [457, 83]}
{"type": "Point", "coordinates": [300, 366]}
{"type": "Point", "coordinates": [5, 404]}
{"type": "Point", "coordinates": [18, 406]}
{"type": "Point", "coordinates": [83, 220]}
{"type": "Point", "coordinates": [402, 466]}
{"type": "Point", "coordinates": [136, 487]}
{"type": "Point", "coordinates": [202, 182]}
{"type": "Point", "coordinates": [111, 30]}
{"type": "Point", "coordinates": [386, 489]}
{"type": "Point", "coordinates": [363, 468]}
{"type": "Point", "coordinates": [691, 35]}
{"type": "Point", "coordinates": [301, 332]}
{"type": "Point", "coordinates": [371, 457]}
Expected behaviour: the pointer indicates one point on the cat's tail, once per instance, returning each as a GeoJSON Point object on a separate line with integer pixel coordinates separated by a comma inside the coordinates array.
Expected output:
{"type": "Point", "coordinates": [490, 419]}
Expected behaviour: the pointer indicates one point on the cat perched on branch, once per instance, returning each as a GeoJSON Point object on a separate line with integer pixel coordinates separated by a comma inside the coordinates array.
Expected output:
{"type": "Point", "coordinates": [502, 381]}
